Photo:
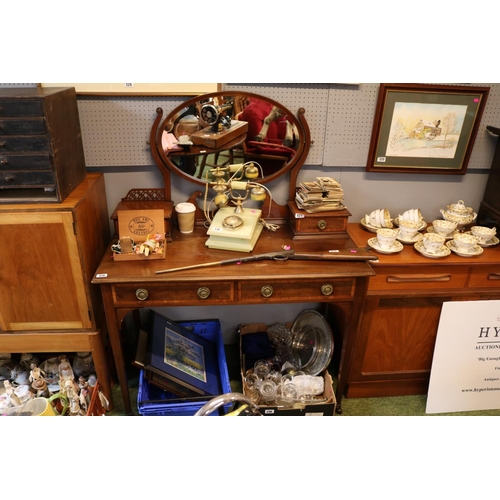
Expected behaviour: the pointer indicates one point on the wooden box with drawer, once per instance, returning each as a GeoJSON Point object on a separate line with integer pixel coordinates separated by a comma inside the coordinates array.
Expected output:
{"type": "Point", "coordinates": [41, 149]}
{"type": "Point", "coordinates": [393, 352]}
{"type": "Point", "coordinates": [318, 225]}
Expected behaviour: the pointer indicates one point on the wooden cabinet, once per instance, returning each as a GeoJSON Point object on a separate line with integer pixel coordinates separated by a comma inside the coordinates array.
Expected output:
{"type": "Point", "coordinates": [49, 253]}
{"type": "Point", "coordinates": [41, 149]}
{"type": "Point", "coordinates": [393, 352]}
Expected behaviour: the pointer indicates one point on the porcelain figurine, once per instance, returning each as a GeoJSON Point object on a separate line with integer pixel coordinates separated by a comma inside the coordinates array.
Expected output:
{"type": "Point", "coordinates": [38, 382]}
{"type": "Point", "coordinates": [11, 395]}
{"type": "Point", "coordinates": [65, 370]}
{"type": "Point", "coordinates": [74, 399]}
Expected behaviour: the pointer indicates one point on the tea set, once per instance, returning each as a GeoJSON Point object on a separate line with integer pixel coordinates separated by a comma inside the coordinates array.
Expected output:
{"type": "Point", "coordinates": [441, 238]}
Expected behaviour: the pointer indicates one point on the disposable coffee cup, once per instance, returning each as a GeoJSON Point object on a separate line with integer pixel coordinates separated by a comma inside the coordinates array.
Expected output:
{"type": "Point", "coordinates": [185, 217]}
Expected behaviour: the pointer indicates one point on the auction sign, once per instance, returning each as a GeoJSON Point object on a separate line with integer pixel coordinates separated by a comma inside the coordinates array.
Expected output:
{"type": "Point", "coordinates": [465, 373]}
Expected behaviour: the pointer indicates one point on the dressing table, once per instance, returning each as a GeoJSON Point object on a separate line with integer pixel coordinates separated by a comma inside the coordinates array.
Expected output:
{"type": "Point", "coordinates": [338, 286]}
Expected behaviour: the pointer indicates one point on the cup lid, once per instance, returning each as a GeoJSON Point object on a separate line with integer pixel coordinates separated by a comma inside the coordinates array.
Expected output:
{"type": "Point", "coordinates": [185, 208]}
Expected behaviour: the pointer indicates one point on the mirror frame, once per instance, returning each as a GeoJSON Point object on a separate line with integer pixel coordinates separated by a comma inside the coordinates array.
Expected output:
{"type": "Point", "coordinates": [167, 166]}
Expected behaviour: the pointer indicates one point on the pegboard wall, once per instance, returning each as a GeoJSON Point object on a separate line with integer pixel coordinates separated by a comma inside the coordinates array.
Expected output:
{"type": "Point", "coordinates": [115, 130]}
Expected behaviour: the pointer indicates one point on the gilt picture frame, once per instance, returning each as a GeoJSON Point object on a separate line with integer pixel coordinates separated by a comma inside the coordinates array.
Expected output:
{"type": "Point", "coordinates": [422, 128]}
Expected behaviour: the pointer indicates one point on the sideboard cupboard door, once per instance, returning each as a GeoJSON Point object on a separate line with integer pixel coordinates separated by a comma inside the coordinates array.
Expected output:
{"type": "Point", "coordinates": [41, 275]}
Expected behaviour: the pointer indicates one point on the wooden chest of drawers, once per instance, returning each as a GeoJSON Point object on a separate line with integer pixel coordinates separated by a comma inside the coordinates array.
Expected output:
{"type": "Point", "coordinates": [41, 149]}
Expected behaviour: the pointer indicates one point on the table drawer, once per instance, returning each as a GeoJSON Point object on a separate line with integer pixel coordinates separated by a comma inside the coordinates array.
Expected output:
{"type": "Point", "coordinates": [22, 126]}
{"type": "Point", "coordinates": [25, 162]}
{"type": "Point", "coordinates": [485, 277]}
{"type": "Point", "coordinates": [21, 107]}
{"type": "Point", "coordinates": [172, 294]}
{"type": "Point", "coordinates": [283, 291]}
{"type": "Point", "coordinates": [423, 278]}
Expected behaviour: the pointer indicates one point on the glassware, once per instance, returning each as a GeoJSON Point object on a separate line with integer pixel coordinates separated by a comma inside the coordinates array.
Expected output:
{"type": "Point", "coordinates": [262, 368]}
{"type": "Point", "coordinates": [289, 393]}
{"type": "Point", "coordinates": [251, 380]}
{"type": "Point", "coordinates": [268, 390]}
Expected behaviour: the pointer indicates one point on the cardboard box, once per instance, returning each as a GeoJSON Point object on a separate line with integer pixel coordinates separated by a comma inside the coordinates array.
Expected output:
{"type": "Point", "coordinates": [137, 225]}
{"type": "Point", "coordinates": [323, 409]}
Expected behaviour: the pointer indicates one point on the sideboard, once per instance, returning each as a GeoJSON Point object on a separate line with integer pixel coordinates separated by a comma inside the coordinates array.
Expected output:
{"type": "Point", "coordinates": [392, 355]}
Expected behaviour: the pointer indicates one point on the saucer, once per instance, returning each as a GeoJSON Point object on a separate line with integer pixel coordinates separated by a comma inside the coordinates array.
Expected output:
{"type": "Point", "coordinates": [490, 243]}
{"type": "Point", "coordinates": [474, 251]}
{"type": "Point", "coordinates": [412, 240]}
{"type": "Point", "coordinates": [371, 228]}
{"type": "Point", "coordinates": [431, 229]}
{"type": "Point", "coordinates": [443, 252]}
{"type": "Point", "coordinates": [394, 248]}
{"type": "Point", "coordinates": [423, 224]}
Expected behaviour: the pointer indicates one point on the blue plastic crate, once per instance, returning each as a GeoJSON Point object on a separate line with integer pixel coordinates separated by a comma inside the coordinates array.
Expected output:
{"type": "Point", "coordinates": [153, 401]}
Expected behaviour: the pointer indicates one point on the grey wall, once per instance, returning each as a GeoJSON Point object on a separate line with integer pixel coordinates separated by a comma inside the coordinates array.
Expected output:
{"type": "Point", "coordinates": [116, 130]}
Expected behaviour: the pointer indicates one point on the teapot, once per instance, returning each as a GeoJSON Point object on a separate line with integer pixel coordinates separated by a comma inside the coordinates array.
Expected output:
{"type": "Point", "coordinates": [459, 213]}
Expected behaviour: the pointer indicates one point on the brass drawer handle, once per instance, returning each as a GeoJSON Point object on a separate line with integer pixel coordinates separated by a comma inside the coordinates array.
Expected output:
{"type": "Point", "coordinates": [494, 276]}
{"type": "Point", "coordinates": [327, 289]}
{"type": "Point", "coordinates": [322, 224]}
{"type": "Point", "coordinates": [203, 292]}
{"type": "Point", "coordinates": [267, 291]}
{"type": "Point", "coordinates": [141, 293]}
{"type": "Point", "coordinates": [416, 278]}
{"type": "Point", "coordinates": [3, 161]}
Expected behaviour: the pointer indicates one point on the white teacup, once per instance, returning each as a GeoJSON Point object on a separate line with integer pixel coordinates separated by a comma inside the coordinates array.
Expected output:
{"type": "Point", "coordinates": [386, 237]}
{"type": "Point", "coordinates": [464, 241]}
{"type": "Point", "coordinates": [483, 233]}
{"type": "Point", "coordinates": [433, 242]}
{"type": "Point", "coordinates": [379, 218]}
{"type": "Point", "coordinates": [444, 227]}
{"type": "Point", "coordinates": [408, 229]}
{"type": "Point", "coordinates": [413, 214]}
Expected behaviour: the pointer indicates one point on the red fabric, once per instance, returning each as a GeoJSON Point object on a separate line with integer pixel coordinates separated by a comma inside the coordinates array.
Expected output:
{"type": "Point", "coordinates": [255, 113]}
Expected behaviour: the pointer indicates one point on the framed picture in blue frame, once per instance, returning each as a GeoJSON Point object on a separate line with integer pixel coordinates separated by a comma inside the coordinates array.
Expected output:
{"type": "Point", "coordinates": [186, 359]}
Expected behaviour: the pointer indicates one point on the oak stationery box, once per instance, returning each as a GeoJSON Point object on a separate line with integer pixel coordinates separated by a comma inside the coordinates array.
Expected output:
{"type": "Point", "coordinates": [41, 148]}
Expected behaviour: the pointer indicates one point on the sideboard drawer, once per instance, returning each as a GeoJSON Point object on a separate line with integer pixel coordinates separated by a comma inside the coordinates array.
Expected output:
{"type": "Point", "coordinates": [485, 277]}
{"type": "Point", "coordinates": [418, 278]}
{"type": "Point", "coordinates": [182, 293]}
{"type": "Point", "coordinates": [283, 291]}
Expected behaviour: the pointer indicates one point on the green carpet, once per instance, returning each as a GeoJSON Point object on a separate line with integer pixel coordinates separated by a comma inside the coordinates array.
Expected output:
{"type": "Point", "coordinates": [387, 406]}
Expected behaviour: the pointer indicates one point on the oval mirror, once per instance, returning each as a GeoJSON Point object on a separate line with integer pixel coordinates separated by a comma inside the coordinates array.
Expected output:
{"type": "Point", "coordinates": [224, 129]}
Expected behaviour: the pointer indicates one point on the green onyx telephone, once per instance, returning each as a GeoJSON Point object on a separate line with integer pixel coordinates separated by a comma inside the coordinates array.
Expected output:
{"type": "Point", "coordinates": [234, 227]}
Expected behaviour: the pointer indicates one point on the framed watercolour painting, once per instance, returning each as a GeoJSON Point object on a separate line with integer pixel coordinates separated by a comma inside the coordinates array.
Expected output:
{"type": "Point", "coordinates": [185, 363]}
{"type": "Point", "coordinates": [423, 128]}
